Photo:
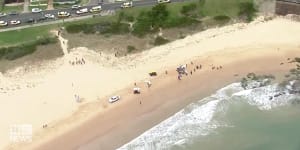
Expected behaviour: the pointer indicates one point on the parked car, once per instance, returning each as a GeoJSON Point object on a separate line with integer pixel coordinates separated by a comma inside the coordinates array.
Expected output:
{"type": "Point", "coordinates": [2, 14]}
{"type": "Point", "coordinates": [136, 90]}
{"type": "Point", "coordinates": [114, 99]}
{"type": "Point", "coordinates": [15, 22]}
{"type": "Point", "coordinates": [126, 5]}
{"type": "Point", "coordinates": [49, 16]}
{"type": "Point", "coordinates": [76, 6]}
{"type": "Point", "coordinates": [153, 73]}
{"type": "Point", "coordinates": [13, 13]}
{"type": "Point", "coordinates": [95, 9]}
{"type": "Point", "coordinates": [41, 18]}
{"type": "Point", "coordinates": [36, 10]}
{"type": "Point", "coordinates": [3, 23]}
{"type": "Point", "coordinates": [63, 14]}
{"type": "Point", "coordinates": [82, 11]}
{"type": "Point", "coordinates": [163, 1]}
{"type": "Point", "coordinates": [31, 20]}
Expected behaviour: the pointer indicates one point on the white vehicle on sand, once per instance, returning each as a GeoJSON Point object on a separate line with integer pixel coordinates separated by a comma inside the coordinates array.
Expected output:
{"type": "Point", "coordinates": [114, 99]}
{"type": "Point", "coordinates": [126, 5]}
{"type": "Point", "coordinates": [163, 1]}
{"type": "Point", "coordinates": [15, 22]}
{"type": "Point", "coordinates": [3, 23]}
{"type": "Point", "coordinates": [82, 11]}
{"type": "Point", "coordinates": [36, 10]}
{"type": "Point", "coordinates": [136, 90]}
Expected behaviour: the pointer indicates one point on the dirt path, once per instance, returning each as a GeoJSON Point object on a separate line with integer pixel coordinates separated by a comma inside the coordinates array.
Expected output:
{"type": "Point", "coordinates": [63, 44]}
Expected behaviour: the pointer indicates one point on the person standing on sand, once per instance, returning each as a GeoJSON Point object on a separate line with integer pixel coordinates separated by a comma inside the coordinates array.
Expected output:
{"type": "Point", "coordinates": [140, 102]}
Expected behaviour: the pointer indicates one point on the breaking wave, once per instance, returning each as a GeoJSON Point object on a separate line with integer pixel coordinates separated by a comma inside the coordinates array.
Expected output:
{"type": "Point", "coordinates": [203, 117]}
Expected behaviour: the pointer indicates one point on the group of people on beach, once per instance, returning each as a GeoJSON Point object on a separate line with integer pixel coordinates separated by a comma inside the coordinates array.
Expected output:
{"type": "Point", "coordinates": [78, 61]}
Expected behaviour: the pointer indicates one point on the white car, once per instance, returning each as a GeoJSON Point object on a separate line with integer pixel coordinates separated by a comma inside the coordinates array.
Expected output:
{"type": "Point", "coordinates": [163, 1]}
{"type": "Point", "coordinates": [15, 22]}
{"type": "Point", "coordinates": [126, 5]}
{"type": "Point", "coordinates": [36, 10]}
{"type": "Point", "coordinates": [3, 23]}
{"type": "Point", "coordinates": [114, 99]}
{"type": "Point", "coordinates": [82, 11]}
{"type": "Point", "coordinates": [2, 14]}
{"type": "Point", "coordinates": [49, 16]}
{"type": "Point", "coordinates": [63, 14]}
{"type": "Point", "coordinates": [95, 9]}
{"type": "Point", "coordinates": [76, 6]}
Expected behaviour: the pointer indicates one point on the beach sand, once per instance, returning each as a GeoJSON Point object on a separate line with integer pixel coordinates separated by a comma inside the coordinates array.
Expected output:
{"type": "Point", "coordinates": [44, 94]}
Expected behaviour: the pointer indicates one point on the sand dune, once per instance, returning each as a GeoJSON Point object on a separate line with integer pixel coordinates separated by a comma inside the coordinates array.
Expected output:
{"type": "Point", "coordinates": [45, 93]}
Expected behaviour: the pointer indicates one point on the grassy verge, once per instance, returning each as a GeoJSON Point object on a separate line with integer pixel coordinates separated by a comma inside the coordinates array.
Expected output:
{"type": "Point", "coordinates": [12, 8]}
{"type": "Point", "coordinates": [14, 52]}
{"type": "Point", "coordinates": [16, 37]}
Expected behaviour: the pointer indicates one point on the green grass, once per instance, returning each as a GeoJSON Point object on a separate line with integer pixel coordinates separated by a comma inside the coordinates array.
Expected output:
{"type": "Point", "coordinates": [16, 37]}
{"type": "Point", "coordinates": [41, 7]}
{"type": "Point", "coordinates": [222, 7]}
{"type": "Point", "coordinates": [12, 8]}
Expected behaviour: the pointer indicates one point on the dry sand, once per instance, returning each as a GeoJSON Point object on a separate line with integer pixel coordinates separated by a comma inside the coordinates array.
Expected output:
{"type": "Point", "coordinates": [44, 94]}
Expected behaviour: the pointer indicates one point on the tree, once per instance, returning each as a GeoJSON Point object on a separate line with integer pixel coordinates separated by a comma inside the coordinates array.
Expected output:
{"type": "Point", "coordinates": [158, 15]}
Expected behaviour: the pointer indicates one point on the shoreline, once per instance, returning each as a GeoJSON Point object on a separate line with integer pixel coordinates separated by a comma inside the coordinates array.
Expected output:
{"type": "Point", "coordinates": [157, 106]}
{"type": "Point", "coordinates": [111, 125]}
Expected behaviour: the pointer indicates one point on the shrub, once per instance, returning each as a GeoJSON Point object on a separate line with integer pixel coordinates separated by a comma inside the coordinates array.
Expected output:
{"type": "Point", "coordinates": [130, 48]}
{"type": "Point", "coordinates": [248, 10]}
{"type": "Point", "coordinates": [222, 18]}
{"type": "Point", "coordinates": [188, 9]}
{"type": "Point", "coordinates": [14, 52]}
{"type": "Point", "coordinates": [160, 41]}
{"type": "Point", "coordinates": [129, 18]}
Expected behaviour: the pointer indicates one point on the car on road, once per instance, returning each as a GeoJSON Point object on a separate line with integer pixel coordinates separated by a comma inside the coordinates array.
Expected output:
{"type": "Point", "coordinates": [2, 14]}
{"type": "Point", "coordinates": [15, 22]}
{"type": "Point", "coordinates": [41, 18]}
{"type": "Point", "coordinates": [49, 16]}
{"type": "Point", "coordinates": [63, 14]}
{"type": "Point", "coordinates": [95, 9]}
{"type": "Point", "coordinates": [3, 23]}
{"type": "Point", "coordinates": [114, 99]}
{"type": "Point", "coordinates": [30, 20]}
{"type": "Point", "coordinates": [163, 1]}
{"type": "Point", "coordinates": [76, 6]}
{"type": "Point", "coordinates": [13, 13]}
{"type": "Point", "coordinates": [82, 11]}
{"type": "Point", "coordinates": [36, 10]}
{"type": "Point", "coordinates": [126, 5]}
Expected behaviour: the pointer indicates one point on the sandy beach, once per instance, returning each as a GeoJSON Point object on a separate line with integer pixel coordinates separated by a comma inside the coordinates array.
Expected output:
{"type": "Point", "coordinates": [44, 94]}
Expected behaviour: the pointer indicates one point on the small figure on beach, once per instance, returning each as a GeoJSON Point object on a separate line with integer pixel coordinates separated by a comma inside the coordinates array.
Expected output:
{"type": "Point", "coordinates": [45, 126]}
{"type": "Point", "coordinates": [140, 102]}
{"type": "Point", "coordinates": [134, 84]}
{"type": "Point", "coordinates": [213, 68]}
{"type": "Point", "coordinates": [192, 63]}
{"type": "Point", "coordinates": [166, 72]}
{"type": "Point", "coordinates": [281, 63]}
{"type": "Point", "coordinates": [191, 72]}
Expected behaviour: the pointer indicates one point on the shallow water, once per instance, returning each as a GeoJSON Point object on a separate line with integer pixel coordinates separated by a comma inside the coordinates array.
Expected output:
{"type": "Point", "coordinates": [231, 119]}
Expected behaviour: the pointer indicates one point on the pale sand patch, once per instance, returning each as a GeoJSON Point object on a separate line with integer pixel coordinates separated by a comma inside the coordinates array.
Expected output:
{"type": "Point", "coordinates": [46, 93]}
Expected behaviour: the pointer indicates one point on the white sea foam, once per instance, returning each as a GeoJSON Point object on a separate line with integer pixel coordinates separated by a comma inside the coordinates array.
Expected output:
{"type": "Point", "coordinates": [198, 119]}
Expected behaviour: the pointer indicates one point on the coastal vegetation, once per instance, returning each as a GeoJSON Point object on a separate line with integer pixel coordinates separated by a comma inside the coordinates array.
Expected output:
{"type": "Point", "coordinates": [14, 52]}
{"type": "Point", "coordinates": [143, 21]}
{"type": "Point", "coordinates": [137, 21]}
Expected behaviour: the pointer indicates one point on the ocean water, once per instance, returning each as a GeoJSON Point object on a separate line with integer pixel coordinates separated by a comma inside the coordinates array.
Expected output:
{"type": "Point", "coordinates": [231, 119]}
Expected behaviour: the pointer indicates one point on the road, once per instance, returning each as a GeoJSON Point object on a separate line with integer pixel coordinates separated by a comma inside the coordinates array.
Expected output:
{"type": "Point", "coordinates": [24, 17]}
